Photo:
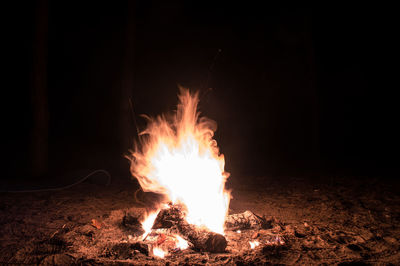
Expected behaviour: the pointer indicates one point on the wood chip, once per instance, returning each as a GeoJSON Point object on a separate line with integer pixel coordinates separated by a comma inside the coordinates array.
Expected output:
{"type": "Point", "coordinates": [96, 224]}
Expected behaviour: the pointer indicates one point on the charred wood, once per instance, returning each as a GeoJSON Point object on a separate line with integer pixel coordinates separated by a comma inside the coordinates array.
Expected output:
{"type": "Point", "coordinates": [201, 238]}
{"type": "Point", "coordinates": [132, 224]}
{"type": "Point", "coordinates": [169, 217]}
{"type": "Point", "coordinates": [246, 220]}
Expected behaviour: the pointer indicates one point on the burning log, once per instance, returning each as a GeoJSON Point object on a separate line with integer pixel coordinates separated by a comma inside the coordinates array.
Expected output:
{"type": "Point", "coordinates": [201, 238]}
{"type": "Point", "coordinates": [169, 217]}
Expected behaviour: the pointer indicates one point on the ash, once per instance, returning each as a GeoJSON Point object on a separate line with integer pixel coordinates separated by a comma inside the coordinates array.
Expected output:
{"type": "Point", "coordinates": [301, 222]}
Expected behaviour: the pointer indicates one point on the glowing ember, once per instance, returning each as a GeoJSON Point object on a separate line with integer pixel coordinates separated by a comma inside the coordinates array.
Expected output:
{"type": "Point", "coordinates": [179, 158]}
{"type": "Point", "coordinates": [167, 244]}
{"type": "Point", "coordinates": [254, 244]}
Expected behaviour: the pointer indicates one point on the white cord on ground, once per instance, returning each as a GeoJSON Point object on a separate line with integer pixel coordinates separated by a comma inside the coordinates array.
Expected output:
{"type": "Point", "coordinates": [64, 187]}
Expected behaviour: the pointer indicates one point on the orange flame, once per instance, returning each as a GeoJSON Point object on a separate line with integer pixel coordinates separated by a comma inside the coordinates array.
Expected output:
{"type": "Point", "coordinates": [179, 158]}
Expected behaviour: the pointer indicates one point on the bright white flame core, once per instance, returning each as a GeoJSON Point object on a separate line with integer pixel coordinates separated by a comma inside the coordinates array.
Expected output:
{"type": "Point", "coordinates": [147, 224]}
{"type": "Point", "coordinates": [158, 252]}
{"type": "Point", "coordinates": [180, 159]}
{"type": "Point", "coordinates": [182, 243]}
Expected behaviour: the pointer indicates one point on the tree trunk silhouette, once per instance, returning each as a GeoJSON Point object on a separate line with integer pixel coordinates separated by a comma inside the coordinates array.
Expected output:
{"type": "Point", "coordinates": [39, 135]}
{"type": "Point", "coordinates": [125, 102]}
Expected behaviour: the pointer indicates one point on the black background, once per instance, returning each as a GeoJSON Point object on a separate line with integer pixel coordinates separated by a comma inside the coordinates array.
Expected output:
{"type": "Point", "coordinates": [294, 90]}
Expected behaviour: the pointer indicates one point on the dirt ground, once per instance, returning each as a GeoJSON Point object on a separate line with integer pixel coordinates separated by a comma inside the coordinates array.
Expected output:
{"type": "Point", "coordinates": [324, 220]}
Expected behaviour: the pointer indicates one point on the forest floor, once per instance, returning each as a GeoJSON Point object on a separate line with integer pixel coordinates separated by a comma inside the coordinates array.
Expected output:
{"type": "Point", "coordinates": [330, 220]}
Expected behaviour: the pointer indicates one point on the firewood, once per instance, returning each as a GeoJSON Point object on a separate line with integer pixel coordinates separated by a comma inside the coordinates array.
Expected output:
{"type": "Point", "coordinates": [169, 217]}
{"type": "Point", "coordinates": [132, 224]}
{"type": "Point", "coordinates": [246, 220]}
{"type": "Point", "coordinates": [201, 238]}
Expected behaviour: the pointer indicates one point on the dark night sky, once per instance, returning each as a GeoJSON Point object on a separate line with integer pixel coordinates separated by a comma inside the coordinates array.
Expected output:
{"type": "Point", "coordinates": [294, 90]}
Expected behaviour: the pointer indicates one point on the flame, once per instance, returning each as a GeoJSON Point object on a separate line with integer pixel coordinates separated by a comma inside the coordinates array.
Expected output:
{"type": "Point", "coordinates": [159, 252]}
{"type": "Point", "coordinates": [172, 243]}
{"type": "Point", "coordinates": [181, 243]}
{"type": "Point", "coordinates": [254, 244]}
{"type": "Point", "coordinates": [179, 158]}
{"type": "Point", "coordinates": [148, 222]}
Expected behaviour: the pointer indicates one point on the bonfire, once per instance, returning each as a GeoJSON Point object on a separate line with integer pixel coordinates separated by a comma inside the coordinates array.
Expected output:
{"type": "Point", "coordinates": [178, 158]}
